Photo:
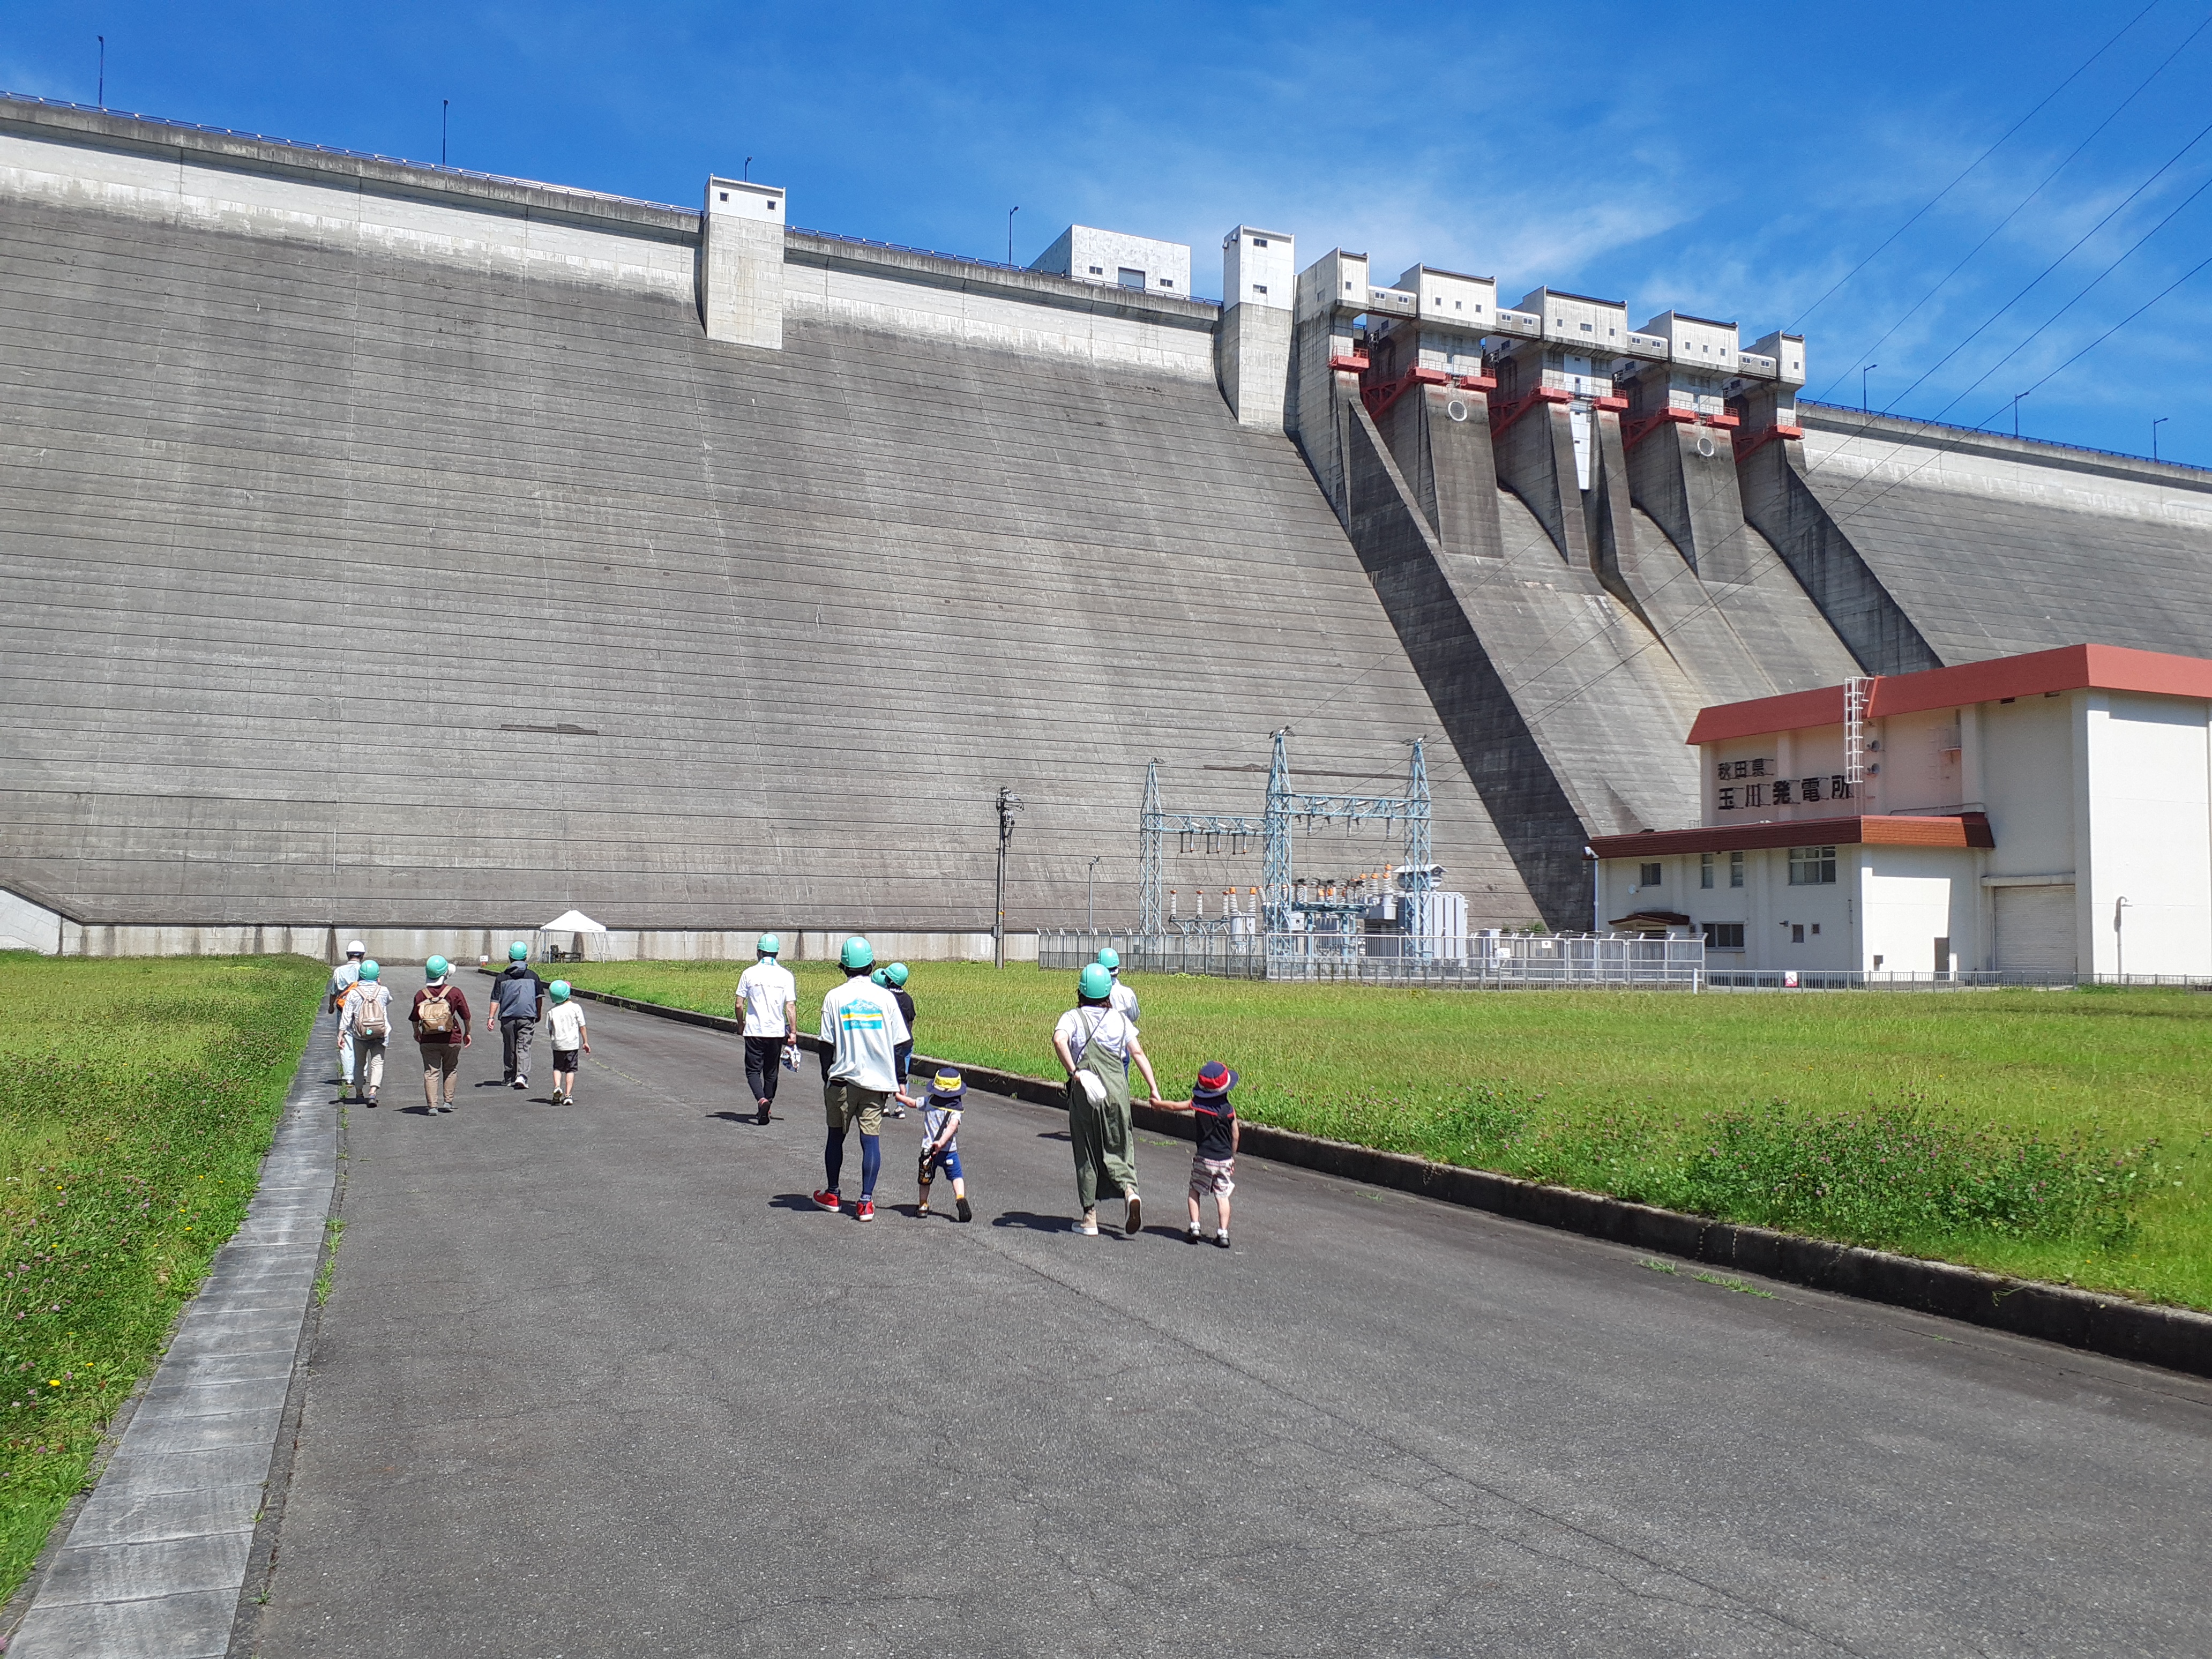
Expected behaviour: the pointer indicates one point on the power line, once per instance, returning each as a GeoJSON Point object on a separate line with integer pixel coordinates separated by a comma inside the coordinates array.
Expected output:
{"type": "Point", "coordinates": [2020, 207]}
{"type": "Point", "coordinates": [1991, 320]}
{"type": "Point", "coordinates": [1929, 204]}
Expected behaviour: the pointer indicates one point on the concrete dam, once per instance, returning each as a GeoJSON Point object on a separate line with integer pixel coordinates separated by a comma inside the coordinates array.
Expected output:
{"type": "Point", "coordinates": [396, 550]}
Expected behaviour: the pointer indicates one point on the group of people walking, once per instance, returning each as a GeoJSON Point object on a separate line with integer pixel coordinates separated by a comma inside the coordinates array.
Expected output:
{"type": "Point", "coordinates": [443, 1026]}
{"type": "Point", "coordinates": [866, 1054]}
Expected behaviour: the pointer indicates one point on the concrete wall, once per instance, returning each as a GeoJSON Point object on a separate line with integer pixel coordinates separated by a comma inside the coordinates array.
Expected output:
{"type": "Point", "coordinates": [354, 583]}
{"type": "Point", "coordinates": [467, 944]}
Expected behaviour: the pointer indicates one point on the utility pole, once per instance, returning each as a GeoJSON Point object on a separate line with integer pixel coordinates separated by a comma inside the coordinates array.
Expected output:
{"type": "Point", "coordinates": [1009, 804]}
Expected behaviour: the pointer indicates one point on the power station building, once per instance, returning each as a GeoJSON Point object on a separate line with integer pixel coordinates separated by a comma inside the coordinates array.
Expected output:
{"type": "Point", "coordinates": [392, 550]}
{"type": "Point", "coordinates": [2046, 815]}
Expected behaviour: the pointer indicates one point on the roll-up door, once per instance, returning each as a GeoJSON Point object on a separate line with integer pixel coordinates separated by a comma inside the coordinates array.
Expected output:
{"type": "Point", "coordinates": [2035, 929]}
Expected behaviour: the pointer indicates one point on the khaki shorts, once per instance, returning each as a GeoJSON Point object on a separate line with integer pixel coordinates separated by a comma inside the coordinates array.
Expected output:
{"type": "Point", "coordinates": [1213, 1176]}
{"type": "Point", "coordinates": [848, 1104]}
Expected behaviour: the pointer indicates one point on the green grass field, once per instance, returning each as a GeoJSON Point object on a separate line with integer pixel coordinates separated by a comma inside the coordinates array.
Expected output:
{"type": "Point", "coordinates": [2056, 1135]}
{"type": "Point", "coordinates": [136, 1098]}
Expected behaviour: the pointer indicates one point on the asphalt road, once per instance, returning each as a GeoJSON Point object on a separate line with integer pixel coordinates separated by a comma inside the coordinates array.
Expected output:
{"type": "Point", "coordinates": [599, 1380]}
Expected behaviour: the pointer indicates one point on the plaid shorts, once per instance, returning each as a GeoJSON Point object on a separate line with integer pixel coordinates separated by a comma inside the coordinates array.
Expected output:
{"type": "Point", "coordinates": [1213, 1176]}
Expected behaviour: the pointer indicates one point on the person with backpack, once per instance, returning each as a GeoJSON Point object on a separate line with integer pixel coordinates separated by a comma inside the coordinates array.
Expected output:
{"type": "Point", "coordinates": [343, 978]}
{"type": "Point", "coordinates": [1097, 1044]}
{"type": "Point", "coordinates": [768, 1018]}
{"type": "Point", "coordinates": [518, 999]}
{"type": "Point", "coordinates": [365, 1027]}
{"type": "Point", "coordinates": [894, 979]}
{"type": "Point", "coordinates": [440, 1018]}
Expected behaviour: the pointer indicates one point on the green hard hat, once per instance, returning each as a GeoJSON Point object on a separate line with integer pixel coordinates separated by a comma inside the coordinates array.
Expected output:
{"type": "Point", "coordinates": [857, 954]}
{"type": "Point", "coordinates": [879, 977]}
{"type": "Point", "coordinates": [895, 974]}
{"type": "Point", "coordinates": [518, 952]}
{"type": "Point", "coordinates": [1094, 982]}
{"type": "Point", "coordinates": [1110, 958]}
{"type": "Point", "coordinates": [437, 967]}
{"type": "Point", "coordinates": [560, 990]}
{"type": "Point", "coordinates": [771, 946]}
{"type": "Point", "coordinates": [369, 970]}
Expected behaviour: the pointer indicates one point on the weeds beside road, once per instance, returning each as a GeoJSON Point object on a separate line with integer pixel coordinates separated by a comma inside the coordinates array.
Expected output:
{"type": "Point", "coordinates": [2053, 1135]}
{"type": "Point", "coordinates": [136, 1098]}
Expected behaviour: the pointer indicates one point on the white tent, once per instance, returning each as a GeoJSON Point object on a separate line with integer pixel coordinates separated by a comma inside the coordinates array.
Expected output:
{"type": "Point", "coordinates": [576, 926]}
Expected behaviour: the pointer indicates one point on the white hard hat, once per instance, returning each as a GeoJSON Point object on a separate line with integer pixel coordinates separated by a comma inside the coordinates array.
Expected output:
{"type": "Point", "coordinates": [355, 948]}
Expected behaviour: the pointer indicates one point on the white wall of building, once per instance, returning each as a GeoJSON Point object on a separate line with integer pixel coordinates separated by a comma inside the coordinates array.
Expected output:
{"type": "Point", "coordinates": [1909, 898]}
{"type": "Point", "coordinates": [2149, 798]}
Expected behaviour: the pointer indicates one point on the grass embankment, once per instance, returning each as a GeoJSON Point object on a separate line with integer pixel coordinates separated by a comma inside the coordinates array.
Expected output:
{"type": "Point", "coordinates": [136, 1098]}
{"type": "Point", "coordinates": [2055, 1135]}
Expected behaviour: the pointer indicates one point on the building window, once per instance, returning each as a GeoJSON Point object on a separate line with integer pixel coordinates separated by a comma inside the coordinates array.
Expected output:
{"type": "Point", "coordinates": [1726, 802]}
{"type": "Point", "coordinates": [1259, 287]}
{"type": "Point", "coordinates": [1097, 271]}
{"type": "Point", "coordinates": [1782, 791]}
{"type": "Point", "coordinates": [1132, 278]}
{"type": "Point", "coordinates": [1797, 933]}
{"type": "Point", "coordinates": [1650, 875]}
{"type": "Point", "coordinates": [1705, 869]}
{"type": "Point", "coordinates": [1810, 791]}
{"type": "Point", "coordinates": [1258, 241]}
{"type": "Point", "coordinates": [1167, 282]}
{"type": "Point", "coordinates": [1735, 869]}
{"type": "Point", "coordinates": [1811, 867]}
{"type": "Point", "coordinates": [1723, 936]}
{"type": "Point", "coordinates": [1754, 794]}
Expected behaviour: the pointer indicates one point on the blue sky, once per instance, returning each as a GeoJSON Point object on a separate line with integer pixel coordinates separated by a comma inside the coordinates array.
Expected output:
{"type": "Point", "coordinates": [1736, 163]}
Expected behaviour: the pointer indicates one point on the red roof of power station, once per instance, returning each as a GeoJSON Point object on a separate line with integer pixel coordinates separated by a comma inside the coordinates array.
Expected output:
{"type": "Point", "coordinates": [2070, 668]}
{"type": "Point", "coordinates": [1951, 829]}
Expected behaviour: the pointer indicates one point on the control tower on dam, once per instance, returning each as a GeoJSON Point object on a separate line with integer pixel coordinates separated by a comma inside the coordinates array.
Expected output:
{"type": "Point", "coordinates": [407, 552]}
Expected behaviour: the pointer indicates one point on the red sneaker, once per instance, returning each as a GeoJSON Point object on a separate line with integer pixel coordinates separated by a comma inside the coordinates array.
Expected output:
{"type": "Point", "coordinates": [866, 1210]}
{"type": "Point", "coordinates": [826, 1199]}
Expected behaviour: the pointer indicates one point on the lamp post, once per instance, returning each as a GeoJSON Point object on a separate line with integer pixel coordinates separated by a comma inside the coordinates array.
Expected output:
{"type": "Point", "coordinates": [444, 118]}
{"type": "Point", "coordinates": [1009, 804]}
{"type": "Point", "coordinates": [1090, 905]}
{"type": "Point", "coordinates": [2155, 426]}
{"type": "Point", "coordinates": [1863, 372]}
{"type": "Point", "coordinates": [103, 68]}
{"type": "Point", "coordinates": [2119, 943]}
{"type": "Point", "coordinates": [1010, 212]}
{"type": "Point", "coordinates": [2016, 397]}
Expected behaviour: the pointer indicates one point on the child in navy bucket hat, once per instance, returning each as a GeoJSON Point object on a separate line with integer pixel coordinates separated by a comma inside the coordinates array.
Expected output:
{"type": "Point", "coordinates": [1213, 1164]}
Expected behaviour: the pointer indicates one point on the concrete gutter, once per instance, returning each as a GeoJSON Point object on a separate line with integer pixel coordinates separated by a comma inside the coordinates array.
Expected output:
{"type": "Point", "coordinates": [2178, 1339]}
{"type": "Point", "coordinates": [155, 1560]}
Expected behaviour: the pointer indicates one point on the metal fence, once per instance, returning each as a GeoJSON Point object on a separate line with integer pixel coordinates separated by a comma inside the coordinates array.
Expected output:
{"type": "Point", "coordinates": [1502, 961]}
{"type": "Point", "coordinates": [1479, 960]}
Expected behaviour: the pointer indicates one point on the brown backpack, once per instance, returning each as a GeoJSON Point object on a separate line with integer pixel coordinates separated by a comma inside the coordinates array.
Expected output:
{"type": "Point", "coordinates": [435, 1015]}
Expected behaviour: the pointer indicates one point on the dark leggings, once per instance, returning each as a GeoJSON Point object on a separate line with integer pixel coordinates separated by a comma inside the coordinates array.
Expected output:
{"type": "Point", "coordinates": [872, 1160]}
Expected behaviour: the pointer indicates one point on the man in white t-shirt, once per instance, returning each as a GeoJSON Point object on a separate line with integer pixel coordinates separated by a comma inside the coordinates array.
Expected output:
{"type": "Point", "coordinates": [861, 1030]}
{"type": "Point", "coordinates": [343, 980]}
{"type": "Point", "coordinates": [768, 1013]}
{"type": "Point", "coordinates": [1121, 1000]}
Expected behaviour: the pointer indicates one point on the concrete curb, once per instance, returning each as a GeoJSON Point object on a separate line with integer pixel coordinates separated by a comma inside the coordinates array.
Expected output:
{"type": "Point", "coordinates": [155, 1559]}
{"type": "Point", "coordinates": [2178, 1339]}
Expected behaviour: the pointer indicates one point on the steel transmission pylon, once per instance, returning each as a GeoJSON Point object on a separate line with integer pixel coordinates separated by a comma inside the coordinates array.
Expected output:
{"type": "Point", "coordinates": [1275, 865]}
{"type": "Point", "coordinates": [1151, 877]}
